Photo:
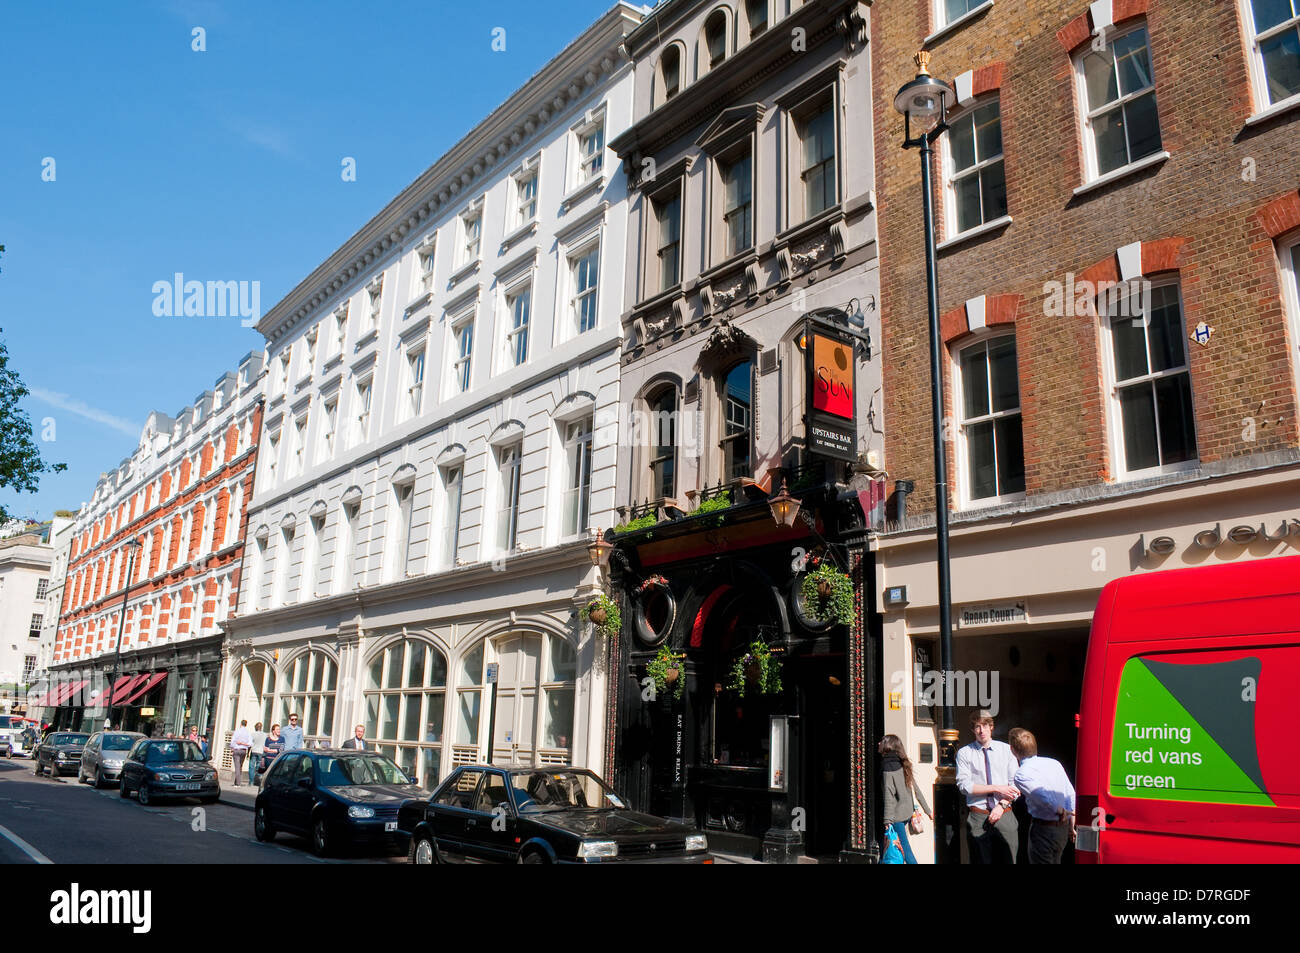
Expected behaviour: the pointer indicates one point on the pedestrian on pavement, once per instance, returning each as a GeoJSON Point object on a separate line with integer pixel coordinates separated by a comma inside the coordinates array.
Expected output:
{"type": "Point", "coordinates": [901, 793]}
{"type": "Point", "coordinates": [240, 744]}
{"type": "Point", "coordinates": [255, 753]}
{"type": "Point", "coordinates": [271, 749]}
{"type": "Point", "coordinates": [1049, 795]}
{"type": "Point", "coordinates": [294, 739]}
{"type": "Point", "coordinates": [986, 771]}
{"type": "Point", "coordinates": [192, 734]}
{"type": "Point", "coordinates": [358, 740]}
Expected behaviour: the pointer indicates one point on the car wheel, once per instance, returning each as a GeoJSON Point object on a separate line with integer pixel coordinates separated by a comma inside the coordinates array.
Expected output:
{"type": "Point", "coordinates": [320, 843]}
{"type": "Point", "coordinates": [144, 794]}
{"type": "Point", "coordinates": [534, 857]}
{"type": "Point", "coordinates": [81, 775]}
{"type": "Point", "coordinates": [122, 789]}
{"type": "Point", "coordinates": [262, 828]}
{"type": "Point", "coordinates": [99, 779]}
{"type": "Point", "coordinates": [423, 850]}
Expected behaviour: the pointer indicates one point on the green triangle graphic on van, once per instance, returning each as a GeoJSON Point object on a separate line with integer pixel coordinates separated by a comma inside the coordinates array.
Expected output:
{"type": "Point", "coordinates": [1160, 751]}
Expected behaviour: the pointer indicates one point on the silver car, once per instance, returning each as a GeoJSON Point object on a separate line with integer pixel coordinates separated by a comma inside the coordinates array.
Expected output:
{"type": "Point", "coordinates": [101, 760]}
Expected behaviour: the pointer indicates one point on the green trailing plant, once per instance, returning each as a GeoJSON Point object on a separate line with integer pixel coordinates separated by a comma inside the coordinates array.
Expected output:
{"type": "Point", "coordinates": [758, 665]}
{"type": "Point", "coordinates": [613, 618]}
{"type": "Point", "coordinates": [715, 504]}
{"type": "Point", "coordinates": [641, 522]}
{"type": "Point", "coordinates": [837, 605]}
{"type": "Point", "coordinates": [658, 668]}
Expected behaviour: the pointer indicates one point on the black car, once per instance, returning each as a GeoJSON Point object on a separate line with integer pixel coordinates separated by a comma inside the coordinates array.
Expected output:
{"type": "Point", "coordinates": [335, 797]}
{"type": "Point", "coordinates": [173, 767]}
{"type": "Point", "coordinates": [60, 752]}
{"type": "Point", "coordinates": [484, 814]}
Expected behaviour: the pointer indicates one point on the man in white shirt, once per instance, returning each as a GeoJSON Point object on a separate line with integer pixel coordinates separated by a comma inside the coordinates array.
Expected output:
{"type": "Point", "coordinates": [256, 752]}
{"type": "Point", "coordinates": [1049, 795]}
{"type": "Point", "coordinates": [358, 741]}
{"type": "Point", "coordinates": [240, 742]}
{"type": "Point", "coordinates": [986, 771]}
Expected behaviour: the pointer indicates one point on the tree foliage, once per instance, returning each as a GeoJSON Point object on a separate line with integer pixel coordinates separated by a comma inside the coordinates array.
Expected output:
{"type": "Point", "coordinates": [21, 466]}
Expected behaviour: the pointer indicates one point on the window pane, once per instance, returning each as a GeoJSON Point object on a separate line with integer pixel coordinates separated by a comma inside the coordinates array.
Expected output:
{"type": "Point", "coordinates": [559, 718]}
{"type": "Point", "coordinates": [1282, 64]}
{"type": "Point", "coordinates": [957, 8]}
{"type": "Point", "coordinates": [395, 666]}
{"type": "Point", "coordinates": [436, 676]}
{"type": "Point", "coordinates": [317, 673]}
{"type": "Point", "coordinates": [467, 718]}
{"type": "Point", "coordinates": [1143, 127]}
{"type": "Point", "coordinates": [1112, 152]}
{"type": "Point", "coordinates": [309, 711]}
{"type": "Point", "coordinates": [1099, 76]}
{"type": "Point", "coordinates": [1137, 412]}
{"type": "Point", "coordinates": [388, 716]}
{"type": "Point", "coordinates": [993, 186]}
{"type": "Point", "coordinates": [1133, 62]}
{"type": "Point", "coordinates": [414, 664]}
{"type": "Point", "coordinates": [327, 715]}
{"type": "Point", "coordinates": [411, 717]}
{"type": "Point", "coordinates": [979, 455]}
{"type": "Point", "coordinates": [433, 715]}
{"type": "Point", "coordinates": [988, 131]}
{"type": "Point", "coordinates": [1011, 455]}
{"type": "Point", "coordinates": [1269, 13]}
{"type": "Point", "coordinates": [1006, 382]}
{"type": "Point", "coordinates": [430, 767]}
{"type": "Point", "coordinates": [471, 672]}
{"type": "Point", "coordinates": [564, 663]}
{"type": "Point", "coordinates": [966, 194]}
{"type": "Point", "coordinates": [372, 716]}
{"type": "Point", "coordinates": [1166, 331]}
{"type": "Point", "coordinates": [1174, 409]}
{"type": "Point", "coordinates": [331, 674]}
{"type": "Point", "coordinates": [300, 667]}
{"type": "Point", "coordinates": [1130, 348]}
{"type": "Point", "coordinates": [962, 143]}
{"type": "Point", "coordinates": [975, 382]}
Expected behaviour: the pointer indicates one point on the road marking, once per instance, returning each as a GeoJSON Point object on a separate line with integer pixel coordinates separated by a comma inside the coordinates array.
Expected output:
{"type": "Point", "coordinates": [22, 845]}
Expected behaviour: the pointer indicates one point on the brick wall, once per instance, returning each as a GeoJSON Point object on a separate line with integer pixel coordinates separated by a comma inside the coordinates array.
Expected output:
{"type": "Point", "coordinates": [1197, 215]}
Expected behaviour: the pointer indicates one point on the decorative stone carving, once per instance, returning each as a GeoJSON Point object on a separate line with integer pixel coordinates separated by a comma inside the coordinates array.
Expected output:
{"type": "Point", "coordinates": [751, 280]}
{"type": "Point", "coordinates": [784, 266]}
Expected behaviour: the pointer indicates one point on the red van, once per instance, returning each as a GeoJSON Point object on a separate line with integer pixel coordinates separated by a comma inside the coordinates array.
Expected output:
{"type": "Point", "coordinates": [1191, 682]}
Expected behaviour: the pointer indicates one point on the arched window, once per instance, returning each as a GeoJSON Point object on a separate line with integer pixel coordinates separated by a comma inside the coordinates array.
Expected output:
{"type": "Point", "coordinates": [307, 686]}
{"type": "Point", "coordinates": [253, 694]}
{"type": "Point", "coordinates": [661, 440]}
{"type": "Point", "coordinates": [715, 39]}
{"type": "Point", "coordinates": [406, 695]}
{"type": "Point", "coordinates": [756, 14]}
{"type": "Point", "coordinates": [670, 74]}
{"type": "Point", "coordinates": [737, 421]}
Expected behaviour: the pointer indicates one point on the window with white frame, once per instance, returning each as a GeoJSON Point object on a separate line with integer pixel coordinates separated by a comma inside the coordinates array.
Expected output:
{"type": "Point", "coordinates": [818, 173]}
{"type": "Point", "coordinates": [952, 10]}
{"type": "Point", "coordinates": [1121, 123]}
{"type": "Point", "coordinates": [662, 442]}
{"type": "Point", "coordinates": [668, 228]}
{"type": "Point", "coordinates": [307, 689]}
{"type": "Point", "coordinates": [29, 668]}
{"type": "Point", "coordinates": [591, 152]}
{"type": "Point", "coordinates": [209, 524]}
{"type": "Point", "coordinates": [462, 355]}
{"type": "Point", "coordinates": [584, 274]}
{"type": "Point", "coordinates": [737, 421]}
{"type": "Point", "coordinates": [451, 496]}
{"type": "Point", "coordinates": [508, 471]}
{"type": "Point", "coordinates": [406, 701]}
{"type": "Point", "coordinates": [234, 512]}
{"type": "Point", "coordinates": [577, 493]}
{"type": "Point", "coordinates": [525, 197]}
{"type": "Point", "coordinates": [283, 564]}
{"type": "Point", "coordinates": [42, 587]}
{"type": "Point", "coordinates": [977, 185]}
{"type": "Point", "coordinates": [329, 426]}
{"type": "Point", "coordinates": [1273, 31]}
{"type": "Point", "coordinates": [534, 697]}
{"type": "Point", "coordinates": [993, 453]}
{"type": "Point", "coordinates": [399, 561]}
{"type": "Point", "coordinates": [340, 329]}
{"type": "Point", "coordinates": [376, 293]}
{"type": "Point", "coordinates": [738, 202]}
{"type": "Point", "coordinates": [282, 380]}
{"type": "Point", "coordinates": [1151, 394]}
{"type": "Point", "coordinates": [670, 73]}
{"type": "Point", "coordinates": [469, 703]}
{"type": "Point", "coordinates": [37, 623]}
{"type": "Point", "coordinates": [312, 336]}
{"type": "Point", "coordinates": [424, 257]}
{"type": "Point", "coordinates": [414, 380]}
{"type": "Point", "coordinates": [361, 417]}
{"type": "Point", "coordinates": [756, 15]}
{"type": "Point", "coordinates": [519, 303]}
{"type": "Point", "coordinates": [300, 445]}
{"type": "Point", "coordinates": [715, 40]}
{"type": "Point", "coordinates": [311, 557]}
{"type": "Point", "coordinates": [471, 228]}
{"type": "Point", "coordinates": [346, 553]}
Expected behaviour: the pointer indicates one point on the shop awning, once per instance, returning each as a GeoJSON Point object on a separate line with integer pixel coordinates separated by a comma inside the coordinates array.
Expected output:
{"type": "Point", "coordinates": [63, 693]}
{"type": "Point", "coordinates": [122, 692]}
{"type": "Point", "coordinates": [101, 697]}
{"type": "Point", "coordinates": [145, 687]}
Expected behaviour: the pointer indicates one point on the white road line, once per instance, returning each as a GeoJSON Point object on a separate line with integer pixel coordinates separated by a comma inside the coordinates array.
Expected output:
{"type": "Point", "coordinates": [22, 845]}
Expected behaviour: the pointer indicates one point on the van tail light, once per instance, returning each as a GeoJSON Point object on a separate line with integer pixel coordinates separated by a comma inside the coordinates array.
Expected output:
{"type": "Point", "coordinates": [1077, 722]}
{"type": "Point", "coordinates": [1087, 839]}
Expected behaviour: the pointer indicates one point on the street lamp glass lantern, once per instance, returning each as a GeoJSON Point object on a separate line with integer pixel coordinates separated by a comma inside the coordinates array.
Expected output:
{"type": "Point", "coordinates": [784, 507]}
{"type": "Point", "coordinates": [923, 99]}
{"type": "Point", "coordinates": [599, 551]}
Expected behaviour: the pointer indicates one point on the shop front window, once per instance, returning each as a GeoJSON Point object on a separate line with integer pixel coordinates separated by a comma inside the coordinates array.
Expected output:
{"type": "Point", "coordinates": [307, 689]}
{"type": "Point", "coordinates": [406, 693]}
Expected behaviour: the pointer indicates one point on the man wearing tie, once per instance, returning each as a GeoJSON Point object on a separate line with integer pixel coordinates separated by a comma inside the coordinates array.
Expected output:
{"type": "Point", "coordinates": [986, 771]}
{"type": "Point", "coordinates": [358, 741]}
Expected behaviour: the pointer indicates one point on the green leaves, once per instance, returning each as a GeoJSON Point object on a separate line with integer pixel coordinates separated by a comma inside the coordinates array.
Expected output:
{"type": "Point", "coordinates": [837, 606]}
{"type": "Point", "coordinates": [657, 668]}
{"type": "Point", "coordinates": [613, 617]}
{"type": "Point", "coordinates": [759, 666]}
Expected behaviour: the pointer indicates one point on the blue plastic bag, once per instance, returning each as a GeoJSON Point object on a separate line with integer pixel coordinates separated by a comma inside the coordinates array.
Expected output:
{"type": "Point", "coordinates": [894, 851]}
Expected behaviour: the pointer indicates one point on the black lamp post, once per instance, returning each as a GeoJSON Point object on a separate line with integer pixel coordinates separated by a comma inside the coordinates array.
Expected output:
{"type": "Point", "coordinates": [924, 102]}
{"type": "Point", "coordinates": [133, 546]}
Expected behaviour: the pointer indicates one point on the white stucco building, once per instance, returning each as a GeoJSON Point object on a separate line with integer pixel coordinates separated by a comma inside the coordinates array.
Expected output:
{"type": "Point", "coordinates": [435, 448]}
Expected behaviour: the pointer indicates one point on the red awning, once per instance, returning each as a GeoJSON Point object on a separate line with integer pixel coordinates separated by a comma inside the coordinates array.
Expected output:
{"type": "Point", "coordinates": [64, 692]}
{"type": "Point", "coordinates": [145, 686]}
{"type": "Point", "coordinates": [101, 698]}
{"type": "Point", "coordinates": [121, 692]}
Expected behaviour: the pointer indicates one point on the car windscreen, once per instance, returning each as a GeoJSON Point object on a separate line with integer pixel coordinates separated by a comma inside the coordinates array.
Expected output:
{"type": "Point", "coordinates": [62, 739]}
{"type": "Point", "coordinates": [562, 791]}
{"type": "Point", "coordinates": [119, 742]}
{"type": "Point", "coordinates": [358, 769]}
{"type": "Point", "coordinates": [9, 721]}
{"type": "Point", "coordinates": [165, 752]}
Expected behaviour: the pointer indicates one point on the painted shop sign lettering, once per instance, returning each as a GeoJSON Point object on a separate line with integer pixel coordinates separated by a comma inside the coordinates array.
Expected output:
{"type": "Point", "coordinates": [972, 617]}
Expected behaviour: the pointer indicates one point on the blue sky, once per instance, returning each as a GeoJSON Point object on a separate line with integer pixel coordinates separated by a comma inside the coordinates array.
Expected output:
{"type": "Point", "coordinates": [223, 164]}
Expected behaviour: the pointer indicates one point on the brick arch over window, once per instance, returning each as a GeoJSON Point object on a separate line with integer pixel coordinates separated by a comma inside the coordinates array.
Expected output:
{"type": "Point", "coordinates": [1280, 215]}
{"type": "Point", "coordinates": [986, 311]}
{"type": "Point", "coordinates": [1081, 29]}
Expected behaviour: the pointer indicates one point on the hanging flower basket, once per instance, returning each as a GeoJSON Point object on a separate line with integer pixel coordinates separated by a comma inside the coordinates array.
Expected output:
{"type": "Point", "coordinates": [666, 671]}
{"type": "Point", "coordinates": [603, 613]}
{"type": "Point", "coordinates": [828, 595]}
{"type": "Point", "coordinates": [757, 668]}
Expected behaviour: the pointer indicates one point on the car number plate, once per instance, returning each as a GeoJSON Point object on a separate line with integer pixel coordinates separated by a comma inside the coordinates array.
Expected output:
{"type": "Point", "coordinates": [192, 786]}
{"type": "Point", "coordinates": [390, 825]}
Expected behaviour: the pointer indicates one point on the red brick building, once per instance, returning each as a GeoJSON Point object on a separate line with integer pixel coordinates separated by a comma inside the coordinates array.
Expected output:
{"type": "Point", "coordinates": [182, 494]}
{"type": "Point", "coordinates": [1118, 218]}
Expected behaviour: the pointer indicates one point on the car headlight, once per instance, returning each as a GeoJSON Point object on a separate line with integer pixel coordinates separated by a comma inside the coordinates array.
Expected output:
{"type": "Point", "coordinates": [210, 776]}
{"type": "Point", "coordinates": [356, 810]}
{"type": "Point", "coordinates": [697, 842]}
{"type": "Point", "coordinates": [597, 848]}
{"type": "Point", "coordinates": [63, 756]}
{"type": "Point", "coordinates": [162, 776]}
{"type": "Point", "coordinates": [112, 764]}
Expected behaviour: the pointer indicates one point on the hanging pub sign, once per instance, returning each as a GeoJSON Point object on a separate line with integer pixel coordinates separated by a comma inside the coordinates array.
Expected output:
{"type": "Point", "coordinates": [830, 420]}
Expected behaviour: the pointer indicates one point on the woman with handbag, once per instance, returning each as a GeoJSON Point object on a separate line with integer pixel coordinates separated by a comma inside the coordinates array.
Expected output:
{"type": "Point", "coordinates": [901, 795]}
